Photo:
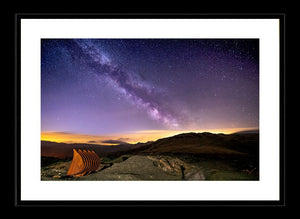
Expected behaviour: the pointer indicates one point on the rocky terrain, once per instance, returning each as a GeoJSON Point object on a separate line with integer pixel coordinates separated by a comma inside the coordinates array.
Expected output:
{"type": "Point", "coordinates": [190, 156]}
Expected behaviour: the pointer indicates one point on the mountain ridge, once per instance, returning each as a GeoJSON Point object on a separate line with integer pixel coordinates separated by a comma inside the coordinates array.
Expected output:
{"type": "Point", "coordinates": [184, 143]}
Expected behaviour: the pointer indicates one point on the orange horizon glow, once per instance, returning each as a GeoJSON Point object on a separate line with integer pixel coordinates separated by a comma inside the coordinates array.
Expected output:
{"type": "Point", "coordinates": [131, 137]}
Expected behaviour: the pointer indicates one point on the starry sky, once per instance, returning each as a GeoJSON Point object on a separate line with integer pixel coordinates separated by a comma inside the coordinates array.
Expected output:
{"type": "Point", "coordinates": [106, 90]}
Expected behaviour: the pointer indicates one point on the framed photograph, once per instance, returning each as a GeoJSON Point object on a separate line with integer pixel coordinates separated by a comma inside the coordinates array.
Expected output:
{"type": "Point", "coordinates": [148, 109]}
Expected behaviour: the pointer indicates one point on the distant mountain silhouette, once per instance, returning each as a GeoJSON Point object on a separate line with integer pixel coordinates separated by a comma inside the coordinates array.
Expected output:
{"type": "Point", "coordinates": [254, 131]}
{"type": "Point", "coordinates": [65, 151]}
{"type": "Point", "coordinates": [237, 144]}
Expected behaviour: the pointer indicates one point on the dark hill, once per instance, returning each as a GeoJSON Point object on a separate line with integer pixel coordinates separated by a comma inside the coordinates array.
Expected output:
{"type": "Point", "coordinates": [251, 131]}
{"type": "Point", "coordinates": [212, 151]}
{"type": "Point", "coordinates": [204, 143]}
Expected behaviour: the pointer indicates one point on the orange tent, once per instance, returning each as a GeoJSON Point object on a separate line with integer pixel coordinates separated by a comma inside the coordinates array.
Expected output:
{"type": "Point", "coordinates": [83, 163]}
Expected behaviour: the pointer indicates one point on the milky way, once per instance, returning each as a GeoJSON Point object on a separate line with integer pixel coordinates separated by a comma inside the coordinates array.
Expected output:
{"type": "Point", "coordinates": [87, 84]}
{"type": "Point", "coordinates": [138, 92]}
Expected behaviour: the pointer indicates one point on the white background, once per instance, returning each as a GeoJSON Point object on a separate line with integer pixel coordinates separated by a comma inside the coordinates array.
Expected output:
{"type": "Point", "coordinates": [32, 30]}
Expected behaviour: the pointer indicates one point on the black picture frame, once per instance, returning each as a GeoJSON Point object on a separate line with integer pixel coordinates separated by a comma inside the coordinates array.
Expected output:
{"type": "Point", "coordinates": [117, 203]}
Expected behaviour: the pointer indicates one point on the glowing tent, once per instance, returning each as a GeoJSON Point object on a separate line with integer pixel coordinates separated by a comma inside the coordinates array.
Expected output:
{"type": "Point", "coordinates": [84, 162]}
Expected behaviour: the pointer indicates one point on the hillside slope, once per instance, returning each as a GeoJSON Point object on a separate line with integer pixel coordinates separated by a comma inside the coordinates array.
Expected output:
{"type": "Point", "coordinates": [205, 144]}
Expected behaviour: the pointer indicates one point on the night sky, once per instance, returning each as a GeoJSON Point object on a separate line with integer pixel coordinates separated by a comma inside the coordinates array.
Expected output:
{"type": "Point", "coordinates": [114, 87]}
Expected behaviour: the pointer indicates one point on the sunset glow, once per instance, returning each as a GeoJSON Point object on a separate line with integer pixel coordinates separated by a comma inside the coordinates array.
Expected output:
{"type": "Point", "coordinates": [132, 138]}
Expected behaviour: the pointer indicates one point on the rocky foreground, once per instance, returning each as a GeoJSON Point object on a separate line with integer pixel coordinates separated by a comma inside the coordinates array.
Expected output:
{"type": "Point", "coordinates": [148, 168]}
{"type": "Point", "coordinates": [139, 167]}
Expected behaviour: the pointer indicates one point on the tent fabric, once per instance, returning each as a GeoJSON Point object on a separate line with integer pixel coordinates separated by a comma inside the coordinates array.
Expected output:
{"type": "Point", "coordinates": [84, 162]}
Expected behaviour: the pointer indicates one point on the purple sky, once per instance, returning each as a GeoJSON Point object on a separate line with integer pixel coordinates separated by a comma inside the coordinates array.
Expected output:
{"type": "Point", "coordinates": [107, 86]}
